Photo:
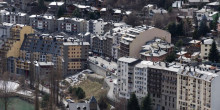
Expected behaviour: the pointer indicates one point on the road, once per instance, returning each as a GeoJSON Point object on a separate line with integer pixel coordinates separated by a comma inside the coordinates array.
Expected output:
{"type": "Point", "coordinates": [108, 65]}
{"type": "Point", "coordinates": [110, 94]}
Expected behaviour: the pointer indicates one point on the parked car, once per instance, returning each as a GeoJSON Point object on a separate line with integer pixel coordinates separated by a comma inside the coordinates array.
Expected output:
{"type": "Point", "coordinates": [110, 80]}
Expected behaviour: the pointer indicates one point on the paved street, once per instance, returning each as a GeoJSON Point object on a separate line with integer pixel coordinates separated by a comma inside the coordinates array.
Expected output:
{"type": "Point", "coordinates": [111, 86]}
{"type": "Point", "coordinates": [108, 65]}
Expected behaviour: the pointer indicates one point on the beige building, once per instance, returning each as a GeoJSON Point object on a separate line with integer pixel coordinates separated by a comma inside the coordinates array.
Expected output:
{"type": "Point", "coordinates": [205, 48]}
{"type": "Point", "coordinates": [76, 56]}
{"type": "Point", "coordinates": [132, 41]}
{"type": "Point", "coordinates": [11, 47]}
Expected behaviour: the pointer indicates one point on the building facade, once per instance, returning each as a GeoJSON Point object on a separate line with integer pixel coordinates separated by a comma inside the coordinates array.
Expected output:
{"type": "Point", "coordinates": [43, 23]}
{"type": "Point", "coordinates": [132, 41]}
{"type": "Point", "coordinates": [72, 25]}
{"type": "Point", "coordinates": [171, 86]}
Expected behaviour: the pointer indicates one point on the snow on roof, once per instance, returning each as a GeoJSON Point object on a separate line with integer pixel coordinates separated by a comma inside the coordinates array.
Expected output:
{"type": "Point", "coordinates": [75, 43]}
{"type": "Point", "coordinates": [144, 64]}
{"type": "Point", "coordinates": [81, 6]}
{"type": "Point", "coordinates": [160, 10]}
{"type": "Point", "coordinates": [184, 59]}
{"type": "Point", "coordinates": [45, 16]}
{"type": "Point", "coordinates": [194, 41]}
{"type": "Point", "coordinates": [208, 41]}
{"type": "Point", "coordinates": [117, 11]}
{"type": "Point", "coordinates": [7, 24]}
{"type": "Point", "coordinates": [127, 60]}
{"type": "Point", "coordinates": [45, 63]}
{"type": "Point", "coordinates": [181, 53]}
{"type": "Point", "coordinates": [154, 54]}
{"type": "Point", "coordinates": [103, 9]}
{"type": "Point", "coordinates": [195, 53]}
{"type": "Point", "coordinates": [128, 12]}
{"type": "Point", "coordinates": [203, 10]}
{"type": "Point", "coordinates": [199, 1]}
{"type": "Point", "coordinates": [56, 3]}
{"type": "Point", "coordinates": [177, 4]}
{"type": "Point", "coordinates": [19, 13]}
{"type": "Point", "coordinates": [213, 3]}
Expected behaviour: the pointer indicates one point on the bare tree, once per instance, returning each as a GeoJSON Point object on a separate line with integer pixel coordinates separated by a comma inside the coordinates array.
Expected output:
{"type": "Point", "coordinates": [121, 104]}
{"type": "Point", "coordinates": [6, 89]}
{"type": "Point", "coordinates": [132, 20]}
{"type": "Point", "coordinates": [35, 74]}
{"type": "Point", "coordinates": [32, 72]}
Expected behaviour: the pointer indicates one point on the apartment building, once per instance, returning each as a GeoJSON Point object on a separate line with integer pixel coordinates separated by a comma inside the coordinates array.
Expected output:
{"type": "Point", "coordinates": [68, 55]}
{"type": "Point", "coordinates": [126, 76]}
{"type": "Point", "coordinates": [205, 48]}
{"type": "Point", "coordinates": [102, 45]}
{"type": "Point", "coordinates": [75, 56]}
{"type": "Point", "coordinates": [22, 4]}
{"type": "Point", "coordinates": [172, 86]}
{"type": "Point", "coordinates": [207, 13]}
{"type": "Point", "coordinates": [14, 17]}
{"type": "Point", "coordinates": [72, 25]}
{"type": "Point", "coordinates": [156, 50]}
{"type": "Point", "coordinates": [12, 46]}
{"type": "Point", "coordinates": [162, 86]}
{"type": "Point", "coordinates": [5, 30]}
{"type": "Point", "coordinates": [43, 23]}
{"type": "Point", "coordinates": [44, 71]}
{"type": "Point", "coordinates": [134, 38]}
{"type": "Point", "coordinates": [96, 26]}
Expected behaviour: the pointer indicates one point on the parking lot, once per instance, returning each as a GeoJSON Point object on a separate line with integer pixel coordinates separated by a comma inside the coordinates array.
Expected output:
{"type": "Point", "coordinates": [110, 65]}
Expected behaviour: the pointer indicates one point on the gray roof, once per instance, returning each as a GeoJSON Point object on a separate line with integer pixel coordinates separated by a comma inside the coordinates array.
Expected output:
{"type": "Point", "coordinates": [127, 60]}
{"type": "Point", "coordinates": [75, 43]}
{"type": "Point", "coordinates": [75, 106]}
{"type": "Point", "coordinates": [198, 1]}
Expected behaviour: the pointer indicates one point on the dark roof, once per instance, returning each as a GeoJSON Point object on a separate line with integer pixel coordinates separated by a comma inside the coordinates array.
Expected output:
{"type": "Point", "coordinates": [135, 62]}
{"type": "Point", "coordinates": [92, 99]}
{"type": "Point", "coordinates": [39, 44]}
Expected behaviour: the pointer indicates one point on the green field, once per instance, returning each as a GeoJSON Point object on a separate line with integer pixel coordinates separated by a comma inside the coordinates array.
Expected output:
{"type": "Point", "coordinates": [17, 104]}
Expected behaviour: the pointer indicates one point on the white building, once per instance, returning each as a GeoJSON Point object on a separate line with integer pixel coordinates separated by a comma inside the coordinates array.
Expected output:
{"type": "Point", "coordinates": [96, 26]}
{"type": "Point", "coordinates": [171, 86]}
{"type": "Point", "coordinates": [44, 23]}
{"type": "Point", "coordinates": [72, 25]}
{"type": "Point", "coordinates": [4, 32]}
{"type": "Point", "coordinates": [140, 78]}
{"type": "Point", "coordinates": [208, 13]}
{"type": "Point", "coordinates": [14, 17]}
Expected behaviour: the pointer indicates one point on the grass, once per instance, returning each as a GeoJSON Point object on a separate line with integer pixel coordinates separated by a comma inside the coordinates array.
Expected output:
{"type": "Point", "coordinates": [92, 88]}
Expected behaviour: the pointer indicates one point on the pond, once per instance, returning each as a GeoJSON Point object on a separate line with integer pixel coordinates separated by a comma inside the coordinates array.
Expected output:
{"type": "Point", "coordinates": [17, 104]}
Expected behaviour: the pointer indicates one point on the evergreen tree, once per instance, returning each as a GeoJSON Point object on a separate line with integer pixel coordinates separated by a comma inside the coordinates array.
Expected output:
{"type": "Point", "coordinates": [133, 103]}
{"type": "Point", "coordinates": [203, 28]}
{"type": "Point", "coordinates": [146, 103]}
{"type": "Point", "coordinates": [172, 29]}
{"type": "Point", "coordinates": [215, 21]}
{"type": "Point", "coordinates": [41, 4]}
{"type": "Point", "coordinates": [76, 13]}
{"type": "Point", "coordinates": [213, 54]}
{"type": "Point", "coordinates": [195, 34]}
{"type": "Point", "coordinates": [171, 57]}
{"type": "Point", "coordinates": [60, 12]}
{"type": "Point", "coordinates": [179, 29]}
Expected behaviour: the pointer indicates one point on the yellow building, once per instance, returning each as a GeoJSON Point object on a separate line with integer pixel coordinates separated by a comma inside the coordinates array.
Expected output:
{"type": "Point", "coordinates": [13, 44]}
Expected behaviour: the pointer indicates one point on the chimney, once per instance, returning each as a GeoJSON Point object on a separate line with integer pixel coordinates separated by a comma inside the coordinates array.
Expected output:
{"type": "Point", "coordinates": [189, 69]}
